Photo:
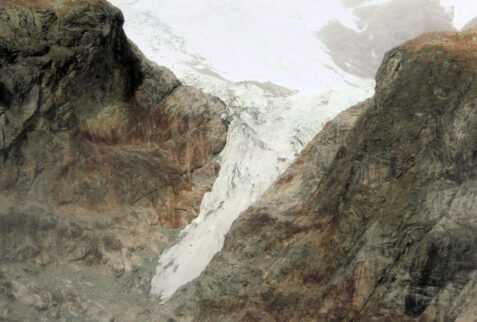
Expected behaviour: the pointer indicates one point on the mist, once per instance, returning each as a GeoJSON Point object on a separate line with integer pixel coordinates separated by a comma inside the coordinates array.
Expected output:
{"type": "Point", "coordinates": [381, 27]}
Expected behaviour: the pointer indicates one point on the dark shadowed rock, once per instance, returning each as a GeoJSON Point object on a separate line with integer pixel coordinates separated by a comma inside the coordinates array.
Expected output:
{"type": "Point", "coordinates": [103, 156]}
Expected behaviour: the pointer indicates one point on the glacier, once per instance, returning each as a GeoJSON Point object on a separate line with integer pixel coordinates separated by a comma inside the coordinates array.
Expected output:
{"type": "Point", "coordinates": [279, 84]}
{"type": "Point", "coordinates": [263, 140]}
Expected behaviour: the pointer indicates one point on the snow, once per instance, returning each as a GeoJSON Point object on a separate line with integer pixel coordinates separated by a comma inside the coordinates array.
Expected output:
{"type": "Point", "coordinates": [226, 47]}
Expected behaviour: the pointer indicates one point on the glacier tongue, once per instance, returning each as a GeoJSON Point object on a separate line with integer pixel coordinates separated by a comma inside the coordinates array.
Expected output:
{"type": "Point", "coordinates": [270, 124]}
{"type": "Point", "coordinates": [264, 137]}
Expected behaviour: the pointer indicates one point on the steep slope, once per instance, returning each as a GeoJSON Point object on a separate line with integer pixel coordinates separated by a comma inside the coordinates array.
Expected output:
{"type": "Point", "coordinates": [103, 156]}
{"type": "Point", "coordinates": [387, 232]}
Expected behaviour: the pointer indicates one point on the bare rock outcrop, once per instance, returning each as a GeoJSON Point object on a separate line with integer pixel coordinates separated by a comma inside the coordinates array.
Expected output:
{"type": "Point", "coordinates": [103, 157]}
{"type": "Point", "coordinates": [376, 220]}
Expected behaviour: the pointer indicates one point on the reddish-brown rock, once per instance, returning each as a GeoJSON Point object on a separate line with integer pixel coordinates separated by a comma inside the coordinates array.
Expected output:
{"type": "Point", "coordinates": [103, 157]}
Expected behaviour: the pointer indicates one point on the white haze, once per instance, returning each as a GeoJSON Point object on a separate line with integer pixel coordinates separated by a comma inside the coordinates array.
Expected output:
{"type": "Point", "coordinates": [225, 47]}
{"type": "Point", "coordinates": [464, 11]}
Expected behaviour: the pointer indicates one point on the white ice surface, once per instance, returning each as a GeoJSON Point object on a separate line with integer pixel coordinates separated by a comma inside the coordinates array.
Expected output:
{"type": "Point", "coordinates": [218, 46]}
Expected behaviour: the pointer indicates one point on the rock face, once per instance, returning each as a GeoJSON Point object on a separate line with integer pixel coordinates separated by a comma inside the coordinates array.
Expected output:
{"type": "Point", "coordinates": [103, 156]}
{"type": "Point", "coordinates": [376, 220]}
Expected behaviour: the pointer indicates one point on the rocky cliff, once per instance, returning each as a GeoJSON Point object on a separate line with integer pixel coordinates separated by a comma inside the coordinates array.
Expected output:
{"type": "Point", "coordinates": [376, 219]}
{"type": "Point", "coordinates": [103, 156]}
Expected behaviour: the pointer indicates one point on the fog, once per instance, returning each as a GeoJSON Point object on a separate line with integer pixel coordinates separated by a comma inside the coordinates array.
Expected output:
{"type": "Point", "coordinates": [381, 27]}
